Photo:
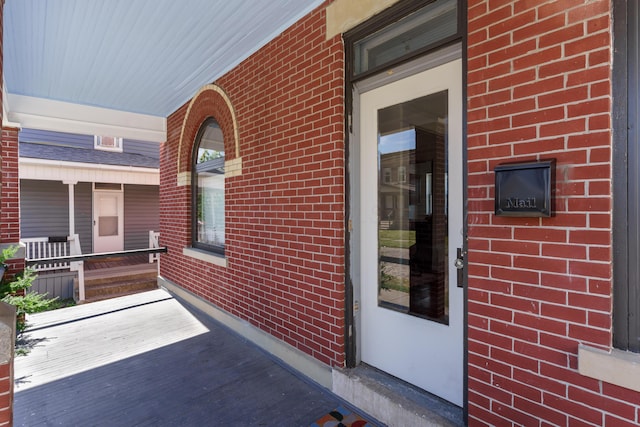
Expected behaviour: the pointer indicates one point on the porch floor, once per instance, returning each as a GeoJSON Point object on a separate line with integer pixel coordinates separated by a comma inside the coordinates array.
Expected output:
{"type": "Point", "coordinates": [151, 359]}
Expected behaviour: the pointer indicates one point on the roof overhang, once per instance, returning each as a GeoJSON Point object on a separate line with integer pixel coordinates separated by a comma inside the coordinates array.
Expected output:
{"type": "Point", "coordinates": [73, 172]}
{"type": "Point", "coordinates": [47, 114]}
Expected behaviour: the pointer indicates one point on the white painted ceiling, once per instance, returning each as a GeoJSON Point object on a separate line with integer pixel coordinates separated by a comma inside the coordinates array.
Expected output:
{"type": "Point", "coordinates": [136, 56]}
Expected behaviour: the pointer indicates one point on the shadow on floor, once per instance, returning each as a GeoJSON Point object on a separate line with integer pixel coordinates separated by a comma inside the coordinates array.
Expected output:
{"type": "Point", "coordinates": [213, 379]}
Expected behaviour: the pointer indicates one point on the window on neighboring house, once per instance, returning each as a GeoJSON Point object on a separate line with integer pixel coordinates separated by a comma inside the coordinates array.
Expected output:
{"type": "Point", "coordinates": [402, 174]}
{"type": "Point", "coordinates": [110, 143]}
{"type": "Point", "coordinates": [387, 175]}
{"type": "Point", "coordinates": [208, 204]}
{"type": "Point", "coordinates": [626, 177]}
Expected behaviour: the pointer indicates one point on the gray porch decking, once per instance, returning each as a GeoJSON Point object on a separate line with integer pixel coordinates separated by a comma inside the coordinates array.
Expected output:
{"type": "Point", "coordinates": [149, 359]}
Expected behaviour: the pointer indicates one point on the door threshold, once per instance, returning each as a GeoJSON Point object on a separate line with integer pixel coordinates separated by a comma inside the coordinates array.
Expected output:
{"type": "Point", "coordinates": [393, 401]}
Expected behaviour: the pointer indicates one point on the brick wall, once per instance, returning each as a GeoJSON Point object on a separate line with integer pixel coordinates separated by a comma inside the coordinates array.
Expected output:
{"type": "Point", "coordinates": [285, 212]}
{"type": "Point", "coordinates": [10, 201]}
{"type": "Point", "coordinates": [539, 87]}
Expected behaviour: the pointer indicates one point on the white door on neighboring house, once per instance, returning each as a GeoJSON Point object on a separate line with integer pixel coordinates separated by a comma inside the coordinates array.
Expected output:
{"type": "Point", "coordinates": [411, 201]}
{"type": "Point", "coordinates": [108, 219]}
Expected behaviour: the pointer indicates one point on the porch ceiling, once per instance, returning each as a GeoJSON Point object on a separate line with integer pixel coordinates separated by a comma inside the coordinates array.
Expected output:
{"type": "Point", "coordinates": [113, 64]}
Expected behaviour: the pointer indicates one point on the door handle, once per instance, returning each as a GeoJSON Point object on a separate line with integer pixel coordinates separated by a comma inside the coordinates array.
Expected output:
{"type": "Point", "coordinates": [459, 265]}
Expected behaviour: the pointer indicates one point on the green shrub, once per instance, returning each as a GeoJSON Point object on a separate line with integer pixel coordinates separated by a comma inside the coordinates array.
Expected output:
{"type": "Point", "coordinates": [15, 292]}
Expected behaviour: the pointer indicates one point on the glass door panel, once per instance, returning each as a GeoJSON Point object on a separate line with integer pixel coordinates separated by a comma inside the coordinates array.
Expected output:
{"type": "Point", "coordinates": [412, 195]}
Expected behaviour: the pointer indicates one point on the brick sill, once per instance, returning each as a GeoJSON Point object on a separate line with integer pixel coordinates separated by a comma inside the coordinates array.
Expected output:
{"type": "Point", "coordinates": [205, 256]}
{"type": "Point", "coordinates": [617, 367]}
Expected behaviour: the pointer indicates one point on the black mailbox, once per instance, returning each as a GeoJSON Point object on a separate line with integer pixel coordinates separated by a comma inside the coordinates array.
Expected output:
{"type": "Point", "coordinates": [524, 189]}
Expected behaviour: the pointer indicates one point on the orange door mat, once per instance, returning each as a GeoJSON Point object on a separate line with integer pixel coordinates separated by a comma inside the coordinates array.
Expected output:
{"type": "Point", "coordinates": [342, 417]}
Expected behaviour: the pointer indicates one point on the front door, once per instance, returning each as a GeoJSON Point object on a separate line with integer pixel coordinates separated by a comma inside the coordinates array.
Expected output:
{"type": "Point", "coordinates": [108, 221]}
{"type": "Point", "coordinates": [411, 200]}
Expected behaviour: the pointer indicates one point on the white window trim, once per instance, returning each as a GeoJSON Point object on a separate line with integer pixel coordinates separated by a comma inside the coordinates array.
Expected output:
{"type": "Point", "coordinates": [97, 139]}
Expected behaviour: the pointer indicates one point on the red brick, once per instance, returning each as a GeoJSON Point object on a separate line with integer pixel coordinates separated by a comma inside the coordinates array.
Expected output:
{"type": "Point", "coordinates": [512, 79]}
{"type": "Point", "coordinates": [563, 66]}
{"type": "Point", "coordinates": [535, 59]}
{"type": "Point", "coordinates": [538, 87]}
{"type": "Point", "coordinates": [539, 146]}
{"type": "Point", "coordinates": [539, 27]}
{"type": "Point", "coordinates": [562, 35]}
{"type": "Point", "coordinates": [590, 302]}
{"type": "Point", "coordinates": [589, 108]}
{"type": "Point", "coordinates": [489, 391]}
{"type": "Point", "coordinates": [588, 10]}
{"type": "Point", "coordinates": [288, 101]}
{"type": "Point", "coordinates": [563, 128]}
{"type": "Point", "coordinates": [573, 409]}
{"type": "Point", "coordinates": [514, 360]}
{"type": "Point", "coordinates": [563, 312]}
{"type": "Point", "coordinates": [486, 19]}
{"type": "Point", "coordinates": [540, 382]}
{"type": "Point", "coordinates": [518, 417]}
{"type": "Point", "coordinates": [564, 251]}
{"type": "Point", "coordinates": [589, 75]}
{"type": "Point", "coordinates": [562, 97]}
{"type": "Point", "coordinates": [613, 421]}
{"type": "Point", "coordinates": [551, 265]}
{"type": "Point", "coordinates": [512, 51]}
{"type": "Point", "coordinates": [514, 135]}
{"type": "Point", "coordinates": [586, 44]}
{"type": "Point", "coordinates": [541, 235]}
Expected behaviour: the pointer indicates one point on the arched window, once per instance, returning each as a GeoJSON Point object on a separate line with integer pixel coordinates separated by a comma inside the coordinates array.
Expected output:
{"type": "Point", "coordinates": [208, 207]}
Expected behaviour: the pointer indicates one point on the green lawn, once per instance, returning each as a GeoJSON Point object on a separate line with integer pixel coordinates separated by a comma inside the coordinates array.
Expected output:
{"type": "Point", "coordinates": [397, 238]}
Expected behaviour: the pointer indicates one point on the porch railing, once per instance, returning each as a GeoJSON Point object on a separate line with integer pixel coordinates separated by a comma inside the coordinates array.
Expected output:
{"type": "Point", "coordinates": [154, 242]}
{"type": "Point", "coordinates": [48, 247]}
{"type": "Point", "coordinates": [52, 253]}
{"type": "Point", "coordinates": [64, 252]}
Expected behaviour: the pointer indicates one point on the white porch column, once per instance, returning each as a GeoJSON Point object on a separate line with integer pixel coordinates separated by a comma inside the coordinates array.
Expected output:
{"type": "Point", "coordinates": [72, 206]}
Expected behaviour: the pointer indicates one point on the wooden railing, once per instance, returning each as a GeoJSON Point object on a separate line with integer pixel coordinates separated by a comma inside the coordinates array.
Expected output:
{"type": "Point", "coordinates": [47, 247]}
{"type": "Point", "coordinates": [52, 253]}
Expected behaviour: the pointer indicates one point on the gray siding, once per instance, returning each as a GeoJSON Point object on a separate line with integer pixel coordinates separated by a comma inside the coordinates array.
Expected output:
{"type": "Point", "coordinates": [140, 215]}
{"type": "Point", "coordinates": [55, 284]}
{"type": "Point", "coordinates": [145, 148]}
{"type": "Point", "coordinates": [63, 138]}
{"type": "Point", "coordinates": [84, 215]}
{"type": "Point", "coordinates": [44, 208]}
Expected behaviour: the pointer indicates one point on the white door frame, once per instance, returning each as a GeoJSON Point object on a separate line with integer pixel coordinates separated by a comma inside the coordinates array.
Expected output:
{"type": "Point", "coordinates": [102, 244]}
{"type": "Point", "coordinates": [443, 56]}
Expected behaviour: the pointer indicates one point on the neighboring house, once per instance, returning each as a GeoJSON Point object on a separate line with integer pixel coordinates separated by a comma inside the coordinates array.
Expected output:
{"type": "Point", "coordinates": [114, 188]}
{"type": "Point", "coordinates": [105, 190]}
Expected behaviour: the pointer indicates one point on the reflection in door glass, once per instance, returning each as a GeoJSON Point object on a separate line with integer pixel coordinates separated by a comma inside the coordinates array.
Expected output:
{"type": "Point", "coordinates": [412, 207]}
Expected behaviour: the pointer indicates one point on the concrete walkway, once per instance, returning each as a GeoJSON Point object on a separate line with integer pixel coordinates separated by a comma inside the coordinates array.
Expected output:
{"type": "Point", "coordinates": [150, 360]}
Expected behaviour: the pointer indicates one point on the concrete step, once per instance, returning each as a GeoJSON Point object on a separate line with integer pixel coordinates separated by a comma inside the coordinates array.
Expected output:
{"type": "Point", "coordinates": [392, 401]}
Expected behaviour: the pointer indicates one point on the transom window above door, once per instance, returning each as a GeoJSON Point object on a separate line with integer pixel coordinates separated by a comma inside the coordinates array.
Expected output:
{"type": "Point", "coordinates": [423, 29]}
